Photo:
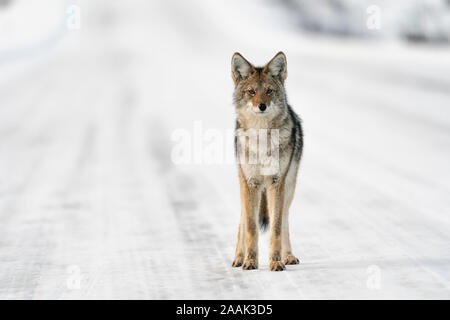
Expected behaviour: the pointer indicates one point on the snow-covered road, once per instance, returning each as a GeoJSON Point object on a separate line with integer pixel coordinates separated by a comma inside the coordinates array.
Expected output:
{"type": "Point", "coordinates": [92, 206]}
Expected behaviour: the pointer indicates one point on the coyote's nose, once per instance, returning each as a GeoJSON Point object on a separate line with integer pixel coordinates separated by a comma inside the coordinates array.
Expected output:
{"type": "Point", "coordinates": [262, 106]}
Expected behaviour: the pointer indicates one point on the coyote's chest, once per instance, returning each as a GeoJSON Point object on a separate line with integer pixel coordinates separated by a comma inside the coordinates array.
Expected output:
{"type": "Point", "coordinates": [263, 153]}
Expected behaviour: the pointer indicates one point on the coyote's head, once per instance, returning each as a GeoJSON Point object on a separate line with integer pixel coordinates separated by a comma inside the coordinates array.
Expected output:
{"type": "Point", "coordinates": [259, 91]}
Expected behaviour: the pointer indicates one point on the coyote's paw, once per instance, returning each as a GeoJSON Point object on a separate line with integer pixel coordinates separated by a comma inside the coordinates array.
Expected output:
{"type": "Point", "coordinates": [291, 259]}
{"type": "Point", "coordinates": [276, 265]}
{"type": "Point", "coordinates": [250, 264]}
{"type": "Point", "coordinates": [237, 262]}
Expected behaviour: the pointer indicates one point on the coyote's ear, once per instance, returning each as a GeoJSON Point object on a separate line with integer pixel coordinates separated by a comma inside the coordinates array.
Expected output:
{"type": "Point", "coordinates": [277, 67]}
{"type": "Point", "coordinates": [240, 68]}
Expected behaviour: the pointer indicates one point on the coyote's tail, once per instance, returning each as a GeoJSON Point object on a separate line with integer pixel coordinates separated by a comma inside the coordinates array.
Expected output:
{"type": "Point", "coordinates": [263, 212]}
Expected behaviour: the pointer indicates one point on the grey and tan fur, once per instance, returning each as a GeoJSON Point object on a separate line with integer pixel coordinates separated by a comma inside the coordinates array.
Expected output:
{"type": "Point", "coordinates": [260, 101]}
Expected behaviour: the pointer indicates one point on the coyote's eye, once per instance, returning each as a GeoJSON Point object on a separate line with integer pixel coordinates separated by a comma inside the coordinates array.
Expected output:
{"type": "Point", "coordinates": [269, 91]}
{"type": "Point", "coordinates": [251, 92]}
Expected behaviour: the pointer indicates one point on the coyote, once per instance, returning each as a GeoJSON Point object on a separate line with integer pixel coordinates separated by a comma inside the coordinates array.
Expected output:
{"type": "Point", "coordinates": [261, 105]}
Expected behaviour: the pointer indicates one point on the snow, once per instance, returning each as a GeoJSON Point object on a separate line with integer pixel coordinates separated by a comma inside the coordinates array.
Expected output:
{"type": "Point", "coordinates": [413, 20]}
{"type": "Point", "coordinates": [93, 207]}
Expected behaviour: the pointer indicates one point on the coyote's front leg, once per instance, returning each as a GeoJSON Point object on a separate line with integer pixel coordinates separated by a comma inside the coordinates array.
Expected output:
{"type": "Point", "coordinates": [250, 195]}
{"type": "Point", "coordinates": [275, 197]}
{"type": "Point", "coordinates": [240, 247]}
